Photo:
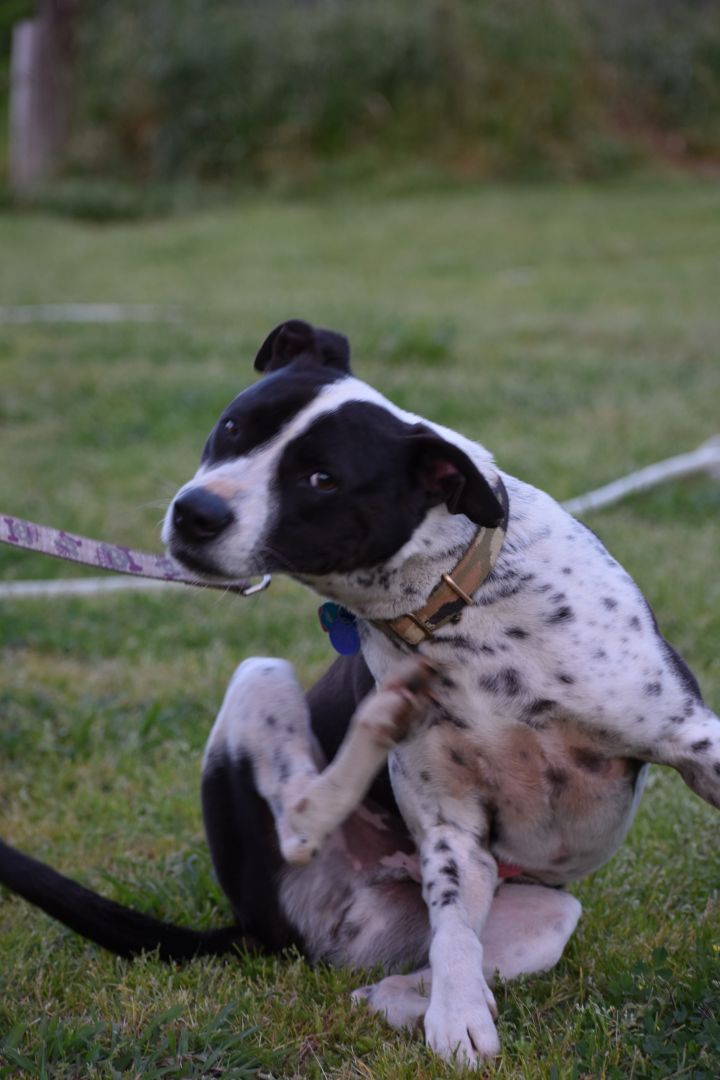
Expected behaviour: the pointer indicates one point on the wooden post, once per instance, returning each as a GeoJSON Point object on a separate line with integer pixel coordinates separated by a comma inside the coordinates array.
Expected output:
{"type": "Point", "coordinates": [40, 73]}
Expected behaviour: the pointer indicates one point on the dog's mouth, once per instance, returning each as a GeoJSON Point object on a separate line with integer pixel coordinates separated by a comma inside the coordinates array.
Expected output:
{"type": "Point", "coordinates": [202, 566]}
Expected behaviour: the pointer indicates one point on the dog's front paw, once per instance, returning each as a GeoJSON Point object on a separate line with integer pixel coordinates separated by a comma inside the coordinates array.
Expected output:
{"type": "Point", "coordinates": [463, 1031]}
{"type": "Point", "coordinates": [388, 713]}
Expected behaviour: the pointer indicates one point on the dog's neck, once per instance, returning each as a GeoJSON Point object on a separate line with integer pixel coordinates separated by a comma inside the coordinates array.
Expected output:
{"type": "Point", "coordinates": [428, 582]}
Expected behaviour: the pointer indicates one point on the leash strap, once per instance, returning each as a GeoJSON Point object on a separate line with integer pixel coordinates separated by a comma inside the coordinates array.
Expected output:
{"type": "Point", "coordinates": [122, 560]}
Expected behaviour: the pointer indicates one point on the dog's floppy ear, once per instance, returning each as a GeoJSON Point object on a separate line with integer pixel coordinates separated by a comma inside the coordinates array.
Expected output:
{"type": "Point", "coordinates": [296, 340]}
{"type": "Point", "coordinates": [449, 476]}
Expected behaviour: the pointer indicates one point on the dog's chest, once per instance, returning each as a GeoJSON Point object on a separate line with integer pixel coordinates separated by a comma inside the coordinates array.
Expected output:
{"type": "Point", "coordinates": [549, 800]}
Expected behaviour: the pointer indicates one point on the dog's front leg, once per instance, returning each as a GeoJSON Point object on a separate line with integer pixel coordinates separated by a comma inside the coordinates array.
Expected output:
{"type": "Point", "coordinates": [459, 878]}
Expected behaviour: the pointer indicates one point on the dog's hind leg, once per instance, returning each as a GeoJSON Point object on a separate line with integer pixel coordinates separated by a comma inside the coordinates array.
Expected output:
{"type": "Point", "coordinates": [526, 931]}
{"type": "Point", "coordinates": [260, 740]}
{"type": "Point", "coordinates": [358, 903]}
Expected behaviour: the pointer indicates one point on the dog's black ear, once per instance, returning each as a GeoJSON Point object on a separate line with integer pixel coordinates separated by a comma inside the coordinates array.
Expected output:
{"type": "Point", "coordinates": [448, 476]}
{"type": "Point", "coordinates": [296, 340]}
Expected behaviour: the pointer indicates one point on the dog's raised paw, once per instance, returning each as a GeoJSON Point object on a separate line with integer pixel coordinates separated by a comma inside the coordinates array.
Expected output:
{"type": "Point", "coordinates": [389, 713]}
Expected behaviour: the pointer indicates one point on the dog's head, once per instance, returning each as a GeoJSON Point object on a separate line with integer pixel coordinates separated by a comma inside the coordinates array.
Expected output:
{"type": "Point", "coordinates": [312, 472]}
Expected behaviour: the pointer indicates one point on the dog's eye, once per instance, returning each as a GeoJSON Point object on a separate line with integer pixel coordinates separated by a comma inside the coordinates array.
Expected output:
{"type": "Point", "coordinates": [322, 481]}
{"type": "Point", "coordinates": [230, 427]}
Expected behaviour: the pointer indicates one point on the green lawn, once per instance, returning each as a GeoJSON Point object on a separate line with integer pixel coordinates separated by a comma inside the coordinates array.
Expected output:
{"type": "Point", "coordinates": [575, 332]}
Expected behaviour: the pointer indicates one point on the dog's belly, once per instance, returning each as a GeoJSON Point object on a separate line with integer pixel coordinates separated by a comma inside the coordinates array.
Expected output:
{"type": "Point", "coordinates": [556, 806]}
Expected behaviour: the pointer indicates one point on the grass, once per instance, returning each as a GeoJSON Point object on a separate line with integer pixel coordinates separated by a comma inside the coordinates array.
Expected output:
{"type": "Point", "coordinates": [574, 331]}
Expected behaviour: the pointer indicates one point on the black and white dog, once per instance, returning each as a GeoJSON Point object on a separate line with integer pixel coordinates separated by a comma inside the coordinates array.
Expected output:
{"type": "Point", "coordinates": [510, 673]}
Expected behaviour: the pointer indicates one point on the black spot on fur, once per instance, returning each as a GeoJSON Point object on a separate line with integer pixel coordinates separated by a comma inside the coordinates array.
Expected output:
{"type": "Point", "coordinates": [457, 758]}
{"type": "Point", "coordinates": [609, 602]}
{"type": "Point", "coordinates": [517, 632]}
{"type": "Point", "coordinates": [455, 641]}
{"type": "Point", "coordinates": [683, 672]}
{"type": "Point", "coordinates": [634, 623]}
{"type": "Point", "coordinates": [673, 657]}
{"type": "Point", "coordinates": [588, 759]}
{"type": "Point", "coordinates": [563, 614]}
{"type": "Point", "coordinates": [557, 778]}
{"type": "Point", "coordinates": [564, 678]}
{"type": "Point", "coordinates": [652, 689]}
{"type": "Point", "coordinates": [449, 897]}
{"type": "Point", "coordinates": [506, 681]}
{"type": "Point", "coordinates": [442, 845]}
{"type": "Point", "coordinates": [271, 721]}
{"type": "Point", "coordinates": [538, 707]}
{"type": "Point", "coordinates": [450, 870]}
{"type": "Point", "coordinates": [425, 776]}
{"type": "Point", "coordinates": [281, 766]}
{"type": "Point", "coordinates": [701, 746]}
{"type": "Point", "coordinates": [501, 590]}
{"type": "Point", "coordinates": [442, 716]}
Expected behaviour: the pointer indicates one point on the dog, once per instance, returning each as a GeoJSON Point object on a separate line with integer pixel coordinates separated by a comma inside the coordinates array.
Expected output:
{"type": "Point", "coordinates": [487, 742]}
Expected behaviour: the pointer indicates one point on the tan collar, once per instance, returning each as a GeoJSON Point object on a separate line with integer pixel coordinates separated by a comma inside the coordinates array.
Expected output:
{"type": "Point", "coordinates": [454, 591]}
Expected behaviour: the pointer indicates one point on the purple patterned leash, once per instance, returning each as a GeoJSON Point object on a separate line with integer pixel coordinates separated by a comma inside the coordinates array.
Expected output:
{"type": "Point", "coordinates": [122, 560]}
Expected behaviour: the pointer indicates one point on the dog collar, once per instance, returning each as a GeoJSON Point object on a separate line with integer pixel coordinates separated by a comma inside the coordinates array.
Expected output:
{"type": "Point", "coordinates": [454, 592]}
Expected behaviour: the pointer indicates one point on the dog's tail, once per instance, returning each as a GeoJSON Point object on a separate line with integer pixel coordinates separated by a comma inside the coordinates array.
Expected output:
{"type": "Point", "coordinates": [120, 929]}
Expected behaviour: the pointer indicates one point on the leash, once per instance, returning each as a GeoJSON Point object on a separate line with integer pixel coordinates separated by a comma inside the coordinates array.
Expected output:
{"type": "Point", "coordinates": [27, 535]}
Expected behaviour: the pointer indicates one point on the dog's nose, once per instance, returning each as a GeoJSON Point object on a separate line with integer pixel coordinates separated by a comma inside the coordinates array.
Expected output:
{"type": "Point", "coordinates": [200, 515]}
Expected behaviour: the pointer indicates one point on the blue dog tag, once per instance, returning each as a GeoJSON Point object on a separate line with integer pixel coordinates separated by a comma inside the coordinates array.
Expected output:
{"type": "Point", "coordinates": [341, 627]}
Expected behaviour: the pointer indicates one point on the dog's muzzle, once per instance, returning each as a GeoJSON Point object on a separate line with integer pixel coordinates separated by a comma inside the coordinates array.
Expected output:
{"type": "Point", "coordinates": [198, 515]}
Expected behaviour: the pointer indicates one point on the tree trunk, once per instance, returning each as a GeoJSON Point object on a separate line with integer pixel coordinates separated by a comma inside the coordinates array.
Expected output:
{"type": "Point", "coordinates": [40, 80]}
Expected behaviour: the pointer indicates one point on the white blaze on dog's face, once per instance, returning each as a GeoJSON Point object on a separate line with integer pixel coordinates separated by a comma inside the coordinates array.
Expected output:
{"type": "Point", "coordinates": [313, 473]}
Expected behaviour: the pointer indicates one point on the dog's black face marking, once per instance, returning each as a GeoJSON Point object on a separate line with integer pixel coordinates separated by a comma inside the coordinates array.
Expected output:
{"type": "Point", "coordinates": [299, 360]}
{"type": "Point", "coordinates": [257, 415]}
{"type": "Point", "coordinates": [356, 484]}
